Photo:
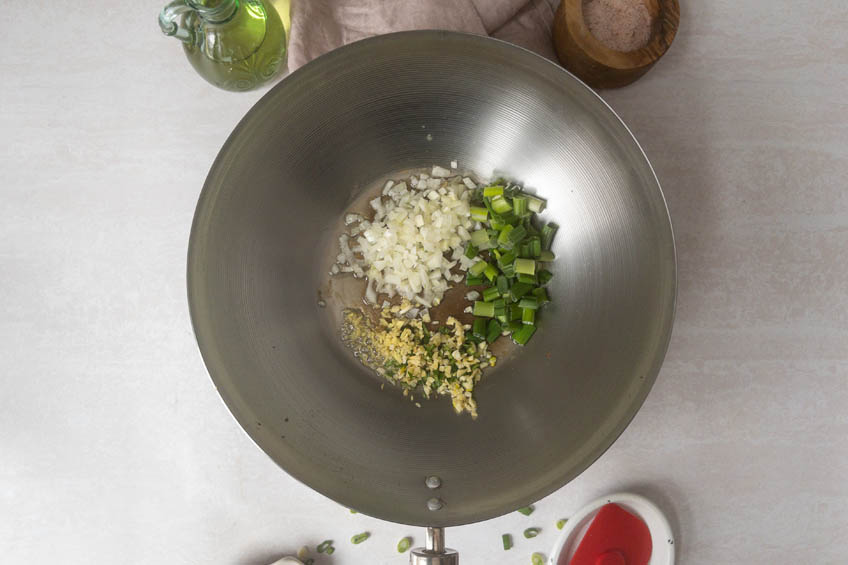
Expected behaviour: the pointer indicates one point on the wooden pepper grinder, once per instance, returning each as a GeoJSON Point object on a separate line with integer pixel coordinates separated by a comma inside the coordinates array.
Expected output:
{"type": "Point", "coordinates": [601, 66]}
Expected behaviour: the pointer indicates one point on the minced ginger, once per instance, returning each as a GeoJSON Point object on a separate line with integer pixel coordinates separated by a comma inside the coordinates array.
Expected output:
{"type": "Point", "coordinates": [408, 354]}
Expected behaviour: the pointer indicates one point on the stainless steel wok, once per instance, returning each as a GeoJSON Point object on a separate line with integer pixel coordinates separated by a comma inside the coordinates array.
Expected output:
{"type": "Point", "coordinates": [265, 222]}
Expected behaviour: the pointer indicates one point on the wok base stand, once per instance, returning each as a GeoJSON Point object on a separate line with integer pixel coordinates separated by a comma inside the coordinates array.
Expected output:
{"type": "Point", "coordinates": [434, 551]}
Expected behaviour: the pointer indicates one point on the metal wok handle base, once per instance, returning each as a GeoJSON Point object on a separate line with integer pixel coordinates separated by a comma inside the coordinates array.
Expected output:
{"type": "Point", "coordinates": [434, 551]}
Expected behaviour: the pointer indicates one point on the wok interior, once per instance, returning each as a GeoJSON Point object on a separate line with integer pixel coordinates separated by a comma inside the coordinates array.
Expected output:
{"type": "Point", "coordinates": [274, 200]}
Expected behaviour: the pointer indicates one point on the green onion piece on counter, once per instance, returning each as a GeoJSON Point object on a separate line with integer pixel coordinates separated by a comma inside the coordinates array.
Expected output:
{"type": "Point", "coordinates": [514, 312]}
{"type": "Point", "coordinates": [519, 289]}
{"type": "Point", "coordinates": [537, 559]}
{"type": "Point", "coordinates": [359, 538]}
{"type": "Point", "coordinates": [491, 272]}
{"type": "Point", "coordinates": [535, 247]}
{"type": "Point", "coordinates": [529, 303]}
{"type": "Point", "coordinates": [503, 238]}
{"type": "Point", "coordinates": [545, 276]}
{"type": "Point", "coordinates": [352, 511]}
{"type": "Point", "coordinates": [502, 285]}
{"type": "Point", "coordinates": [472, 280]}
{"type": "Point", "coordinates": [531, 533]}
{"type": "Point", "coordinates": [547, 256]}
{"type": "Point", "coordinates": [494, 190]}
{"type": "Point", "coordinates": [484, 309]}
{"type": "Point", "coordinates": [531, 279]}
{"type": "Point", "coordinates": [527, 510]}
{"type": "Point", "coordinates": [548, 232]}
{"type": "Point", "coordinates": [480, 239]}
{"type": "Point", "coordinates": [517, 234]}
{"type": "Point", "coordinates": [526, 266]}
{"type": "Point", "coordinates": [522, 335]}
{"type": "Point", "coordinates": [477, 268]}
{"type": "Point", "coordinates": [479, 214]}
{"type": "Point", "coordinates": [501, 205]}
{"type": "Point", "coordinates": [471, 251]}
{"type": "Point", "coordinates": [519, 205]}
{"type": "Point", "coordinates": [528, 316]}
{"type": "Point", "coordinates": [331, 550]}
{"type": "Point", "coordinates": [561, 523]}
{"type": "Point", "coordinates": [404, 545]}
{"type": "Point", "coordinates": [507, 541]}
{"type": "Point", "coordinates": [536, 204]}
{"type": "Point", "coordinates": [491, 294]}
{"type": "Point", "coordinates": [478, 328]}
{"type": "Point", "coordinates": [493, 332]}
{"type": "Point", "coordinates": [541, 295]}
{"type": "Point", "coordinates": [322, 547]}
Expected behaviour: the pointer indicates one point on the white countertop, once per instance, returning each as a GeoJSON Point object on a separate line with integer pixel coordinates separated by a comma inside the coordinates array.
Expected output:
{"type": "Point", "coordinates": [116, 448]}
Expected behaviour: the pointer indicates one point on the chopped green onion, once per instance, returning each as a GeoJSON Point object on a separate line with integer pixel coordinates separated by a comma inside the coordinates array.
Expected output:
{"type": "Point", "coordinates": [324, 545]}
{"type": "Point", "coordinates": [478, 328]}
{"type": "Point", "coordinates": [528, 316]}
{"type": "Point", "coordinates": [526, 266]}
{"type": "Point", "coordinates": [514, 312]}
{"type": "Point", "coordinates": [491, 294]}
{"type": "Point", "coordinates": [506, 259]}
{"type": "Point", "coordinates": [471, 250]}
{"type": "Point", "coordinates": [504, 238]}
{"type": "Point", "coordinates": [501, 205]}
{"type": "Point", "coordinates": [535, 247]}
{"type": "Point", "coordinates": [524, 251]}
{"type": "Point", "coordinates": [561, 523]}
{"type": "Point", "coordinates": [492, 191]}
{"type": "Point", "coordinates": [352, 511]}
{"type": "Point", "coordinates": [516, 325]}
{"type": "Point", "coordinates": [493, 332]}
{"type": "Point", "coordinates": [498, 224]}
{"type": "Point", "coordinates": [536, 204]}
{"type": "Point", "coordinates": [480, 239]}
{"type": "Point", "coordinates": [497, 253]}
{"type": "Point", "coordinates": [519, 205]}
{"type": "Point", "coordinates": [519, 289]}
{"type": "Point", "coordinates": [478, 213]}
{"type": "Point", "coordinates": [532, 279]}
{"type": "Point", "coordinates": [545, 276]}
{"type": "Point", "coordinates": [471, 280]}
{"type": "Point", "coordinates": [499, 303]}
{"type": "Point", "coordinates": [517, 234]}
{"type": "Point", "coordinates": [359, 538]}
{"type": "Point", "coordinates": [547, 256]}
{"type": "Point", "coordinates": [404, 545]}
{"type": "Point", "coordinates": [529, 303]}
{"type": "Point", "coordinates": [331, 550]}
{"type": "Point", "coordinates": [527, 510]}
{"type": "Point", "coordinates": [508, 270]}
{"type": "Point", "coordinates": [541, 295]}
{"type": "Point", "coordinates": [502, 285]}
{"type": "Point", "coordinates": [548, 232]}
{"type": "Point", "coordinates": [523, 334]}
{"type": "Point", "coordinates": [507, 541]}
{"type": "Point", "coordinates": [491, 272]}
{"type": "Point", "coordinates": [477, 268]}
{"type": "Point", "coordinates": [537, 559]}
{"type": "Point", "coordinates": [530, 533]}
{"type": "Point", "coordinates": [484, 309]}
